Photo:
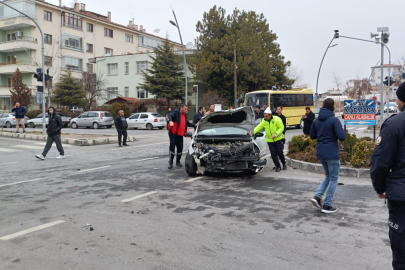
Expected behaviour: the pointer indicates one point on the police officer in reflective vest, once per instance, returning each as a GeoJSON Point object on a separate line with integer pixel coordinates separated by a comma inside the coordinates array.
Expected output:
{"type": "Point", "coordinates": [388, 176]}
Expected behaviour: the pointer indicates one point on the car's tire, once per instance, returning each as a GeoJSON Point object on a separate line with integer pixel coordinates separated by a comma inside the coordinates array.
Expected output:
{"type": "Point", "coordinates": [8, 125]}
{"type": "Point", "coordinates": [31, 125]}
{"type": "Point", "coordinates": [161, 127]}
{"type": "Point", "coordinates": [110, 126]}
{"type": "Point", "coordinates": [191, 166]}
{"type": "Point", "coordinates": [87, 127]}
{"type": "Point", "coordinates": [96, 125]}
{"type": "Point", "coordinates": [149, 126]}
{"type": "Point", "coordinates": [74, 125]}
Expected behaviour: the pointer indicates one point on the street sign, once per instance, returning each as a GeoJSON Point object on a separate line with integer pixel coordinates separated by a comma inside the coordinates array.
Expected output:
{"type": "Point", "coordinates": [314, 97]}
{"type": "Point", "coordinates": [359, 112]}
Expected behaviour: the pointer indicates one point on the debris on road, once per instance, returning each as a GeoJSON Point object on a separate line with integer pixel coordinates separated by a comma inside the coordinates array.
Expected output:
{"type": "Point", "coordinates": [261, 232]}
{"type": "Point", "coordinates": [132, 212]}
{"type": "Point", "coordinates": [343, 218]}
{"type": "Point", "coordinates": [88, 226]}
{"type": "Point", "coordinates": [341, 184]}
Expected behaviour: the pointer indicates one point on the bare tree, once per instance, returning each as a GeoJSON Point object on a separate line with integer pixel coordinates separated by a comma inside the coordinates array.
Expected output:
{"type": "Point", "coordinates": [337, 81]}
{"type": "Point", "coordinates": [297, 75]}
{"type": "Point", "coordinates": [95, 86]}
{"type": "Point", "coordinates": [356, 88]}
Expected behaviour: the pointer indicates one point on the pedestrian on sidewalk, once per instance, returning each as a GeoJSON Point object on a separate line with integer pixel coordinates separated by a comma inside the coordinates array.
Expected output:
{"type": "Point", "coordinates": [327, 129]}
{"type": "Point", "coordinates": [388, 176]}
{"type": "Point", "coordinates": [121, 125]}
{"type": "Point", "coordinates": [280, 114]}
{"type": "Point", "coordinates": [273, 127]}
{"type": "Point", "coordinates": [55, 125]}
{"type": "Point", "coordinates": [178, 123]}
{"type": "Point", "coordinates": [20, 112]}
{"type": "Point", "coordinates": [308, 118]}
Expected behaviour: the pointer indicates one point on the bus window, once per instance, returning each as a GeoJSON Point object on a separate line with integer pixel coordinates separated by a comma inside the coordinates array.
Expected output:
{"type": "Point", "coordinates": [257, 99]}
{"type": "Point", "coordinates": [291, 100]}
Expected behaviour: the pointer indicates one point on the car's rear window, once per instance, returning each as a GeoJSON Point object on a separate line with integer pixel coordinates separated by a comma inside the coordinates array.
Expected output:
{"type": "Point", "coordinates": [107, 114]}
{"type": "Point", "coordinates": [156, 115]}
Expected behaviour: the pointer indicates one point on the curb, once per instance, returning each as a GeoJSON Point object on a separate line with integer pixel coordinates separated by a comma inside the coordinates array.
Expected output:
{"type": "Point", "coordinates": [314, 167]}
{"type": "Point", "coordinates": [78, 142]}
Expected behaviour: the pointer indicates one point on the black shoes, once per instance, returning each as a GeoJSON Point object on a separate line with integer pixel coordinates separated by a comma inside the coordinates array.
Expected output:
{"type": "Point", "coordinates": [274, 168]}
{"type": "Point", "coordinates": [285, 167]}
{"type": "Point", "coordinates": [125, 145]}
{"type": "Point", "coordinates": [120, 145]}
{"type": "Point", "coordinates": [178, 164]}
{"type": "Point", "coordinates": [278, 169]}
{"type": "Point", "coordinates": [328, 209]}
{"type": "Point", "coordinates": [316, 201]}
{"type": "Point", "coordinates": [170, 166]}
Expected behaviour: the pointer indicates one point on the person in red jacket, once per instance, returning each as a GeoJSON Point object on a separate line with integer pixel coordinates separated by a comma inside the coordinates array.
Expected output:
{"type": "Point", "coordinates": [178, 123]}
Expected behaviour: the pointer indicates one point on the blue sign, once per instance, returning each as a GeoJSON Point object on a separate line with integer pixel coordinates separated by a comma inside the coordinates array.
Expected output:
{"type": "Point", "coordinates": [359, 122]}
{"type": "Point", "coordinates": [314, 97]}
{"type": "Point", "coordinates": [359, 106]}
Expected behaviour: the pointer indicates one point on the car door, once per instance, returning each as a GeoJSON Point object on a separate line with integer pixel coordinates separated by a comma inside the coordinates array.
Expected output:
{"type": "Point", "coordinates": [143, 120]}
{"type": "Point", "coordinates": [92, 117]}
{"type": "Point", "coordinates": [132, 121]}
{"type": "Point", "coordinates": [260, 141]}
{"type": "Point", "coordinates": [81, 120]}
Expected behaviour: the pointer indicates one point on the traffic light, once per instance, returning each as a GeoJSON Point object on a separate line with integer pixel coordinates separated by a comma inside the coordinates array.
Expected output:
{"type": "Point", "coordinates": [47, 77]}
{"type": "Point", "coordinates": [38, 76]}
{"type": "Point", "coordinates": [40, 89]}
{"type": "Point", "coordinates": [392, 81]}
{"type": "Point", "coordinates": [336, 33]}
{"type": "Point", "coordinates": [385, 37]}
{"type": "Point", "coordinates": [195, 89]}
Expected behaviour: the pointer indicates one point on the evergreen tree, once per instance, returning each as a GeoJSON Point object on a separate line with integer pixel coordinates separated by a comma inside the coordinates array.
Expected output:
{"type": "Point", "coordinates": [69, 91]}
{"type": "Point", "coordinates": [259, 63]}
{"type": "Point", "coordinates": [20, 91]}
{"type": "Point", "coordinates": [165, 78]}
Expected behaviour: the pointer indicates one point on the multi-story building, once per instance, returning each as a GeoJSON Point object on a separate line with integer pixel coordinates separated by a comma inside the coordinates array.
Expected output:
{"type": "Point", "coordinates": [71, 37]}
{"type": "Point", "coordinates": [375, 78]}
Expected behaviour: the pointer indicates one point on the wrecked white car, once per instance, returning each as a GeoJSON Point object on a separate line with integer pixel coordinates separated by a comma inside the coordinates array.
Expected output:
{"type": "Point", "coordinates": [224, 142]}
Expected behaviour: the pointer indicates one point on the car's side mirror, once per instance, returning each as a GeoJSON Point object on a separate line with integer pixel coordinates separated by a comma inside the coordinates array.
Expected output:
{"type": "Point", "coordinates": [259, 134]}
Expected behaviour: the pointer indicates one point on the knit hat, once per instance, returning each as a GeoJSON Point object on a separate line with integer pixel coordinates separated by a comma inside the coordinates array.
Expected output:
{"type": "Point", "coordinates": [258, 106]}
{"type": "Point", "coordinates": [401, 92]}
{"type": "Point", "coordinates": [268, 111]}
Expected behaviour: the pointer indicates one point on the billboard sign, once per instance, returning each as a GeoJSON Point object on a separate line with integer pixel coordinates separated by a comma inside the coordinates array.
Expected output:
{"type": "Point", "coordinates": [359, 112]}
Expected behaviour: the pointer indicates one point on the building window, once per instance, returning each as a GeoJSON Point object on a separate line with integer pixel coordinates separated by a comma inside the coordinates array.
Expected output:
{"type": "Point", "coordinates": [73, 63]}
{"type": "Point", "coordinates": [145, 41]}
{"type": "Point", "coordinates": [141, 66]}
{"type": "Point", "coordinates": [129, 38]}
{"type": "Point", "coordinates": [90, 68]}
{"type": "Point", "coordinates": [108, 51]}
{"type": "Point", "coordinates": [108, 32]}
{"type": "Point", "coordinates": [9, 82]}
{"type": "Point", "coordinates": [72, 42]}
{"type": "Point", "coordinates": [11, 37]}
{"type": "Point", "coordinates": [141, 93]}
{"type": "Point", "coordinates": [126, 89]}
{"type": "Point", "coordinates": [71, 20]}
{"type": "Point", "coordinates": [126, 67]}
{"type": "Point", "coordinates": [47, 16]}
{"type": "Point", "coordinates": [48, 39]}
{"type": "Point", "coordinates": [112, 69]}
{"type": "Point", "coordinates": [112, 92]}
{"type": "Point", "coordinates": [48, 61]}
{"type": "Point", "coordinates": [89, 27]}
{"type": "Point", "coordinates": [89, 48]}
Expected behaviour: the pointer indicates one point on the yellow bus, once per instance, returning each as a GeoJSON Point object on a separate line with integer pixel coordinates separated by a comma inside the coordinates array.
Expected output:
{"type": "Point", "coordinates": [292, 101]}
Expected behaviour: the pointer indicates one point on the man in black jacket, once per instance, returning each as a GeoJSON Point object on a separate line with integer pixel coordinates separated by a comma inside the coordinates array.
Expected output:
{"type": "Point", "coordinates": [388, 176]}
{"type": "Point", "coordinates": [198, 115]}
{"type": "Point", "coordinates": [280, 114]}
{"type": "Point", "coordinates": [308, 118]}
{"type": "Point", "coordinates": [121, 125]}
{"type": "Point", "coordinates": [258, 112]}
{"type": "Point", "coordinates": [20, 112]}
{"type": "Point", "coordinates": [178, 123]}
{"type": "Point", "coordinates": [55, 125]}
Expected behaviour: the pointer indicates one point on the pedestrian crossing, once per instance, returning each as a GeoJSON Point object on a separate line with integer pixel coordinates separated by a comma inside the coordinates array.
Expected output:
{"type": "Point", "coordinates": [22, 147]}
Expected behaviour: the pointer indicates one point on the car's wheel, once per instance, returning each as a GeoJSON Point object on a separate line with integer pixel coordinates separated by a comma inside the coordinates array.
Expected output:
{"type": "Point", "coordinates": [161, 127]}
{"type": "Point", "coordinates": [110, 126]}
{"type": "Point", "coordinates": [65, 125]}
{"type": "Point", "coordinates": [96, 125]}
{"type": "Point", "coordinates": [31, 125]}
{"type": "Point", "coordinates": [8, 124]}
{"type": "Point", "coordinates": [191, 166]}
{"type": "Point", "coordinates": [149, 126]}
{"type": "Point", "coordinates": [74, 125]}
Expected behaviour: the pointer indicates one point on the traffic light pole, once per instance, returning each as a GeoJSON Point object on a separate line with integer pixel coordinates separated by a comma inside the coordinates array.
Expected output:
{"type": "Point", "coordinates": [43, 61]}
{"type": "Point", "coordinates": [319, 71]}
{"type": "Point", "coordinates": [389, 80]}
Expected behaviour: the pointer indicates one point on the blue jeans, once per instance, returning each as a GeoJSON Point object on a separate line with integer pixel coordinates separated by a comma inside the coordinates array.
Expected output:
{"type": "Point", "coordinates": [331, 168]}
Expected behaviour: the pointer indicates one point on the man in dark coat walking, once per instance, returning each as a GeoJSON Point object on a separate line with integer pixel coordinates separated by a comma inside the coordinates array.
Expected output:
{"type": "Point", "coordinates": [20, 112]}
{"type": "Point", "coordinates": [55, 125]}
{"type": "Point", "coordinates": [121, 125]}
{"type": "Point", "coordinates": [308, 118]}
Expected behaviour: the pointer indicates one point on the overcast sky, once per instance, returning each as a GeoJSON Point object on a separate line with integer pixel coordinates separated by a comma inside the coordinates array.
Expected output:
{"type": "Point", "coordinates": [304, 28]}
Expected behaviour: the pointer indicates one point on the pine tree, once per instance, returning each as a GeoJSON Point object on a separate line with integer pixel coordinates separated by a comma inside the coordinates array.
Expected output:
{"type": "Point", "coordinates": [20, 91]}
{"type": "Point", "coordinates": [165, 79]}
{"type": "Point", "coordinates": [69, 91]}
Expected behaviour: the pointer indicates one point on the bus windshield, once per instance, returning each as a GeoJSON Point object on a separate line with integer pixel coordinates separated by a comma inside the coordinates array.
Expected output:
{"type": "Point", "coordinates": [254, 99]}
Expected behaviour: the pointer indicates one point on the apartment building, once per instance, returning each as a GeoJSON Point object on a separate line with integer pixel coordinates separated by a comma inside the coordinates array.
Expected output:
{"type": "Point", "coordinates": [72, 36]}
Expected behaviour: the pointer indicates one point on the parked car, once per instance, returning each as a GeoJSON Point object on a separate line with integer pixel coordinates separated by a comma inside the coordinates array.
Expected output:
{"type": "Point", "coordinates": [37, 121]}
{"type": "Point", "coordinates": [146, 120]}
{"type": "Point", "coordinates": [224, 142]}
{"type": "Point", "coordinates": [95, 119]}
{"type": "Point", "coordinates": [393, 107]}
{"type": "Point", "coordinates": [8, 120]}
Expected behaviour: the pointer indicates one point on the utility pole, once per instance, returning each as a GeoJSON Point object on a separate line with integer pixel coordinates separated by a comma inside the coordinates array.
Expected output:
{"type": "Point", "coordinates": [235, 86]}
{"type": "Point", "coordinates": [382, 86]}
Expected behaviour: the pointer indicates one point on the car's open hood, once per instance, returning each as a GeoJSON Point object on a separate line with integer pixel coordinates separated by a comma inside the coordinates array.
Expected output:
{"type": "Point", "coordinates": [242, 117]}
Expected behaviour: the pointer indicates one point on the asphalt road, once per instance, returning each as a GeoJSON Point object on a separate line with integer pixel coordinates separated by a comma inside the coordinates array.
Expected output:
{"type": "Point", "coordinates": [145, 216]}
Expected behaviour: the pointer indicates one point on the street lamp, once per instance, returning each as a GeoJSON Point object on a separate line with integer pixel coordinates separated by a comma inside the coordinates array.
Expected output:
{"type": "Point", "coordinates": [320, 66]}
{"type": "Point", "coordinates": [176, 24]}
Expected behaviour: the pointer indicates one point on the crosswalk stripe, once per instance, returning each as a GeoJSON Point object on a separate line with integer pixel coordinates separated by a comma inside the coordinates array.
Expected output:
{"type": "Point", "coordinates": [7, 150]}
{"type": "Point", "coordinates": [27, 146]}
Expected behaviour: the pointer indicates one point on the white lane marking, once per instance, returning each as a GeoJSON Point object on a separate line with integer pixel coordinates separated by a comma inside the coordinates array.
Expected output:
{"type": "Point", "coordinates": [8, 163]}
{"type": "Point", "coordinates": [139, 196]}
{"type": "Point", "coordinates": [94, 169]}
{"type": "Point", "coordinates": [350, 128]}
{"type": "Point", "coordinates": [147, 159]}
{"type": "Point", "coordinates": [193, 179]}
{"type": "Point", "coordinates": [7, 150]}
{"type": "Point", "coordinates": [121, 148]}
{"type": "Point", "coordinates": [28, 146]}
{"type": "Point", "coordinates": [34, 229]}
{"type": "Point", "coordinates": [362, 128]}
{"type": "Point", "coordinates": [15, 183]}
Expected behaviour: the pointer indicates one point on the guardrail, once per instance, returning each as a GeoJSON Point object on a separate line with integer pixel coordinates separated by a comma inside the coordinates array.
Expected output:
{"type": "Point", "coordinates": [30, 39]}
{"type": "Point", "coordinates": [16, 63]}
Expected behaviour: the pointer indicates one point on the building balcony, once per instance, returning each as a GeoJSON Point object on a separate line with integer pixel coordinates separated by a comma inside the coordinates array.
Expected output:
{"type": "Point", "coordinates": [65, 46]}
{"type": "Point", "coordinates": [19, 44]}
{"type": "Point", "coordinates": [24, 66]}
{"type": "Point", "coordinates": [11, 19]}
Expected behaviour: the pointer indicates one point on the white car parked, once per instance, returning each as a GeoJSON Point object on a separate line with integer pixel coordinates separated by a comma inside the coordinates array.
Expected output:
{"type": "Point", "coordinates": [146, 120]}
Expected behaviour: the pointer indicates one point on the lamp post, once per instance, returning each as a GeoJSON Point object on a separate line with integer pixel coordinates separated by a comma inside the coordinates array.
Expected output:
{"type": "Point", "coordinates": [43, 63]}
{"type": "Point", "coordinates": [176, 24]}
{"type": "Point", "coordinates": [319, 71]}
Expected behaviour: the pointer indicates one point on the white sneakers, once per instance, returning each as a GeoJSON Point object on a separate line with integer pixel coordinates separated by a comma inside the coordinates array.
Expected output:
{"type": "Point", "coordinates": [60, 157]}
{"type": "Point", "coordinates": [41, 157]}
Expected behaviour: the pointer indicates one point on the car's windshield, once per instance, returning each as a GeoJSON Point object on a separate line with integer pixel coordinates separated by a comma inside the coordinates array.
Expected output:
{"type": "Point", "coordinates": [223, 131]}
{"type": "Point", "coordinates": [156, 115]}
